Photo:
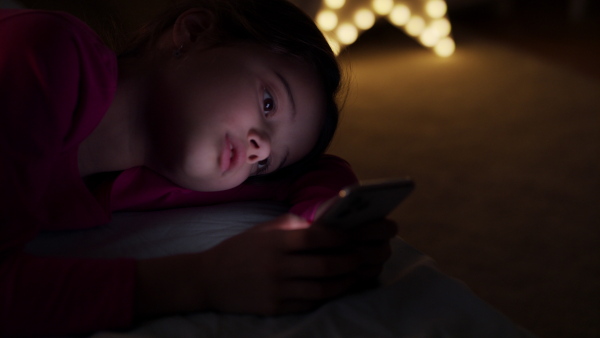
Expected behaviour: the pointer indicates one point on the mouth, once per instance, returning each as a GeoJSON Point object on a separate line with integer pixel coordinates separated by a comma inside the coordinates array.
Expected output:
{"type": "Point", "coordinates": [229, 155]}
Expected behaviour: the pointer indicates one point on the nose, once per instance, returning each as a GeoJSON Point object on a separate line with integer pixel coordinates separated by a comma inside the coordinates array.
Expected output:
{"type": "Point", "coordinates": [259, 147]}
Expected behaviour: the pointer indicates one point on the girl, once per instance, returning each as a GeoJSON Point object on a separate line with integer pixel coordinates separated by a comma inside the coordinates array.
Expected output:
{"type": "Point", "coordinates": [216, 101]}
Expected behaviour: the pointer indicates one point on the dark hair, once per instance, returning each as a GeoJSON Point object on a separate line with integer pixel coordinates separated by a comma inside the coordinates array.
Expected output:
{"type": "Point", "coordinates": [279, 26]}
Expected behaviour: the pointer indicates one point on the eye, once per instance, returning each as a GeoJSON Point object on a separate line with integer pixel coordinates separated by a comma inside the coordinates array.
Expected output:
{"type": "Point", "coordinates": [268, 103]}
{"type": "Point", "coordinates": [263, 166]}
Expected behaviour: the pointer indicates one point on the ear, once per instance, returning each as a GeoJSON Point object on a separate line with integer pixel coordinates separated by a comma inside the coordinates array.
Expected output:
{"type": "Point", "coordinates": [192, 26]}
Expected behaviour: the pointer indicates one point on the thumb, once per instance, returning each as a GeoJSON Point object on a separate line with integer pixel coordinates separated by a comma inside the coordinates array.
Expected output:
{"type": "Point", "coordinates": [284, 222]}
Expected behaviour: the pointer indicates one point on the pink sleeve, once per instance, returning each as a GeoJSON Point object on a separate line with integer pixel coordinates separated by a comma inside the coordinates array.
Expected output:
{"type": "Point", "coordinates": [51, 69]}
{"type": "Point", "coordinates": [57, 296]}
{"type": "Point", "coordinates": [324, 181]}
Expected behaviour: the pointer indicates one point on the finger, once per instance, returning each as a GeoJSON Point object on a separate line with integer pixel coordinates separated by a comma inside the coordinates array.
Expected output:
{"type": "Point", "coordinates": [367, 282]}
{"type": "Point", "coordinates": [319, 266]}
{"type": "Point", "coordinates": [313, 238]}
{"type": "Point", "coordinates": [370, 272]}
{"type": "Point", "coordinates": [283, 222]}
{"type": "Point", "coordinates": [318, 289]}
{"type": "Point", "coordinates": [373, 262]}
{"type": "Point", "coordinates": [374, 253]}
{"type": "Point", "coordinates": [377, 231]}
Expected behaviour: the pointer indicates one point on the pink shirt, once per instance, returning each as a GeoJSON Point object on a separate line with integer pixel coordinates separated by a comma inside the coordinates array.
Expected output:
{"type": "Point", "coordinates": [57, 80]}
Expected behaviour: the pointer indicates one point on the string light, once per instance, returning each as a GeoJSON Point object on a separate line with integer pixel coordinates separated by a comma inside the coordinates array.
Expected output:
{"type": "Point", "coordinates": [334, 44]}
{"type": "Point", "coordinates": [327, 20]}
{"type": "Point", "coordinates": [445, 47]}
{"type": "Point", "coordinates": [426, 20]}
{"type": "Point", "coordinates": [400, 15]}
{"type": "Point", "coordinates": [364, 18]}
{"type": "Point", "coordinates": [347, 33]}
{"type": "Point", "coordinates": [429, 37]}
{"type": "Point", "coordinates": [436, 8]}
{"type": "Point", "coordinates": [441, 26]}
{"type": "Point", "coordinates": [383, 7]}
{"type": "Point", "coordinates": [415, 25]}
{"type": "Point", "coordinates": [335, 4]}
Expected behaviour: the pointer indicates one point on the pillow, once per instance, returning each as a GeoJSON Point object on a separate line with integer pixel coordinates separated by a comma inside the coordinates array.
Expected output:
{"type": "Point", "coordinates": [151, 234]}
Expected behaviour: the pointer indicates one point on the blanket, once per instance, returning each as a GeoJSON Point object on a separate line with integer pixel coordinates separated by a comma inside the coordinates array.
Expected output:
{"type": "Point", "coordinates": [414, 298]}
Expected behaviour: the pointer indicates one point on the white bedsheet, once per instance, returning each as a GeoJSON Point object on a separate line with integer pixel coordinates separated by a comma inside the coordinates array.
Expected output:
{"type": "Point", "coordinates": [415, 299]}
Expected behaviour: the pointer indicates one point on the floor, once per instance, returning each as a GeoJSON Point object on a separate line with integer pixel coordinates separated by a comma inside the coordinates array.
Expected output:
{"type": "Point", "coordinates": [535, 261]}
{"type": "Point", "coordinates": [543, 28]}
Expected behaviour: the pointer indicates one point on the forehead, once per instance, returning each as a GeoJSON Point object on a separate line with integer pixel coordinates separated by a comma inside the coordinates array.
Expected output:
{"type": "Point", "coordinates": [279, 59]}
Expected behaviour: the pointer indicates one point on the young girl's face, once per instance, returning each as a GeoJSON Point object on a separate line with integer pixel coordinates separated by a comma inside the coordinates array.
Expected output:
{"type": "Point", "coordinates": [233, 111]}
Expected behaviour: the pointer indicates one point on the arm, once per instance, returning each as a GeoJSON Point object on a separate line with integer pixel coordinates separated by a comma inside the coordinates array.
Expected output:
{"type": "Point", "coordinates": [55, 75]}
{"type": "Point", "coordinates": [140, 189]}
{"type": "Point", "coordinates": [252, 263]}
{"type": "Point", "coordinates": [272, 268]}
{"type": "Point", "coordinates": [265, 270]}
{"type": "Point", "coordinates": [278, 267]}
{"type": "Point", "coordinates": [56, 296]}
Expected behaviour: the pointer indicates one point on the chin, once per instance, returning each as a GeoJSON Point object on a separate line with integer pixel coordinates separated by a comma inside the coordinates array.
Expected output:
{"type": "Point", "coordinates": [200, 182]}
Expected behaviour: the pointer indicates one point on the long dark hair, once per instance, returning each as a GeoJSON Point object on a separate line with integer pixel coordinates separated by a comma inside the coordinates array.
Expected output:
{"type": "Point", "coordinates": [279, 26]}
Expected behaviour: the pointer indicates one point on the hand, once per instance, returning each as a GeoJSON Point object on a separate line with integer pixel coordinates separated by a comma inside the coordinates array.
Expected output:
{"type": "Point", "coordinates": [371, 241]}
{"type": "Point", "coordinates": [282, 266]}
{"type": "Point", "coordinates": [372, 244]}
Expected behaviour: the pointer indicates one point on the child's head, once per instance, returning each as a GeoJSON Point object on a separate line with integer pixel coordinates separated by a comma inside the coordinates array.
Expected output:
{"type": "Point", "coordinates": [282, 36]}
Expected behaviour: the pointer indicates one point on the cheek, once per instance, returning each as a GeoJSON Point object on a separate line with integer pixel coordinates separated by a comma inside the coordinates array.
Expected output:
{"type": "Point", "coordinates": [305, 137]}
{"type": "Point", "coordinates": [198, 162]}
{"type": "Point", "coordinates": [199, 171]}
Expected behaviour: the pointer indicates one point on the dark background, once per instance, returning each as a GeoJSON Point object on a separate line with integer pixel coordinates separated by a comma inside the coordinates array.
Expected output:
{"type": "Point", "coordinates": [502, 138]}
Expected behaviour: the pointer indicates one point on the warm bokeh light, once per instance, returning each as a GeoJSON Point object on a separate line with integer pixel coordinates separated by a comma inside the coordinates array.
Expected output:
{"type": "Point", "coordinates": [334, 44]}
{"type": "Point", "coordinates": [445, 47]}
{"type": "Point", "coordinates": [429, 37]}
{"type": "Point", "coordinates": [442, 27]}
{"type": "Point", "coordinates": [364, 18]}
{"type": "Point", "coordinates": [342, 21]}
{"type": "Point", "coordinates": [327, 20]}
{"type": "Point", "coordinates": [347, 33]}
{"type": "Point", "coordinates": [335, 4]}
{"type": "Point", "coordinates": [383, 7]}
{"type": "Point", "coordinates": [436, 8]}
{"type": "Point", "coordinates": [400, 15]}
{"type": "Point", "coordinates": [415, 25]}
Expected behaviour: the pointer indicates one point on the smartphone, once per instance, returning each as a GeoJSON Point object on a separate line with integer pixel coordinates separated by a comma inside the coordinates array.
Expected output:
{"type": "Point", "coordinates": [366, 202]}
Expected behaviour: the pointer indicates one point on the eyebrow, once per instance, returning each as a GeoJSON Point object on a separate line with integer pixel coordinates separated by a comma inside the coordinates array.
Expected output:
{"type": "Point", "coordinates": [290, 95]}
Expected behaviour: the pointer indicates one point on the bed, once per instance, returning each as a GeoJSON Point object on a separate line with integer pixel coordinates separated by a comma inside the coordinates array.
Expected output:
{"type": "Point", "coordinates": [415, 299]}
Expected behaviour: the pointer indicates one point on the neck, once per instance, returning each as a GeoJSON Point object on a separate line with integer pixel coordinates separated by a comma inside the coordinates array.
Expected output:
{"type": "Point", "coordinates": [118, 143]}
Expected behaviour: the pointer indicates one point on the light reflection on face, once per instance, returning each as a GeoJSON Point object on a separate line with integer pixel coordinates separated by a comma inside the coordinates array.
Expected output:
{"type": "Point", "coordinates": [233, 111]}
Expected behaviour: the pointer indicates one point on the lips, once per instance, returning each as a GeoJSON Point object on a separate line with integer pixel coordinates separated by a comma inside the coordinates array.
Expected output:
{"type": "Point", "coordinates": [229, 155]}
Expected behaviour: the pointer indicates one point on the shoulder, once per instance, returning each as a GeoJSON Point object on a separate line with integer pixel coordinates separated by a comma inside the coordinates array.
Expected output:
{"type": "Point", "coordinates": [50, 37]}
{"type": "Point", "coordinates": [41, 23]}
{"type": "Point", "coordinates": [55, 70]}
{"type": "Point", "coordinates": [47, 33]}
{"type": "Point", "coordinates": [55, 50]}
